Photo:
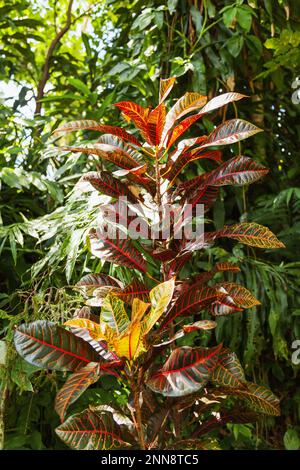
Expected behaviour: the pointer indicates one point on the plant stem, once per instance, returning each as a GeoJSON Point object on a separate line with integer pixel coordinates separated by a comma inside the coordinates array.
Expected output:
{"type": "Point", "coordinates": [3, 396]}
{"type": "Point", "coordinates": [138, 414]}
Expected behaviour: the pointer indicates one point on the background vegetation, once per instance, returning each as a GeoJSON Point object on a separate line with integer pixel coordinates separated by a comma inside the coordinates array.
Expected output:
{"type": "Point", "coordinates": [62, 60]}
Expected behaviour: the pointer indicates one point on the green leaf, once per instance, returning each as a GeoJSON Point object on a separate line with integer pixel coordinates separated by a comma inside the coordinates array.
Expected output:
{"type": "Point", "coordinates": [235, 44]}
{"type": "Point", "coordinates": [79, 85]}
{"type": "Point", "coordinates": [291, 439]}
{"type": "Point", "coordinates": [244, 17]}
{"type": "Point", "coordinates": [229, 16]}
{"type": "Point", "coordinates": [197, 18]}
{"type": "Point", "coordinates": [143, 20]}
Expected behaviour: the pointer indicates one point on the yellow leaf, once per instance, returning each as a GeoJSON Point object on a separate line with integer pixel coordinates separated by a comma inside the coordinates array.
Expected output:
{"type": "Point", "coordinates": [138, 310]}
{"type": "Point", "coordinates": [93, 328]}
{"type": "Point", "coordinates": [126, 345]}
{"type": "Point", "coordinates": [160, 297]}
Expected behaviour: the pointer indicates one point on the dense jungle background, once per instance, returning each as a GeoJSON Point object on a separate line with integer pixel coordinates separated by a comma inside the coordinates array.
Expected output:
{"type": "Point", "coordinates": [62, 60]}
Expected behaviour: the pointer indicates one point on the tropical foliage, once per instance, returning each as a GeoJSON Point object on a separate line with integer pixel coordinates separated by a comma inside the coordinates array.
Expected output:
{"type": "Point", "coordinates": [124, 339]}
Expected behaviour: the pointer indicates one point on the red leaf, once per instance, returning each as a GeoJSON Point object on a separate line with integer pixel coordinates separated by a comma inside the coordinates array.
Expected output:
{"type": "Point", "coordinates": [118, 251]}
{"type": "Point", "coordinates": [213, 104]}
{"type": "Point", "coordinates": [156, 122]}
{"type": "Point", "coordinates": [194, 299]}
{"type": "Point", "coordinates": [50, 346]}
{"type": "Point", "coordinates": [95, 126]}
{"type": "Point", "coordinates": [137, 114]}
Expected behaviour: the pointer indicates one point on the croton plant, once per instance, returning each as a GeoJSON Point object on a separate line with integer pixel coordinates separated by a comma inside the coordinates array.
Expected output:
{"type": "Point", "coordinates": [178, 394]}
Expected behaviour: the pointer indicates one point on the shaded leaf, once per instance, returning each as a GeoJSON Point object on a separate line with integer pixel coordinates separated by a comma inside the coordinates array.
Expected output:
{"type": "Point", "coordinates": [187, 370]}
{"type": "Point", "coordinates": [228, 372]}
{"type": "Point", "coordinates": [76, 384]}
{"type": "Point", "coordinates": [47, 345]}
{"type": "Point", "coordinates": [91, 431]}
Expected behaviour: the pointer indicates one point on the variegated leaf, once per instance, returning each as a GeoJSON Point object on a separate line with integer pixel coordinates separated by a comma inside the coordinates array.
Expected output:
{"type": "Point", "coordinates": [91, 431]}
{"type": "Point", "coordinates": [230, 132]}
{"type": "Point", "coordinates": [86, 124]}
{"type": "Point", "coordinates": [137, 114]}
{"type": "Point", "coordinates": [160, 297]}
{"type": "Point", "coordinates": [237, 171]}
{"type": "Point", "coordinates": [90, 282]}
{"type": "Point", "coordinates": [73, 388]}
{"type": "Point", "coordinates": [228, 372]}
{"type": "Point", "coordinates": [105, 183]}
{"type": "Point", "coordinates": [187, 370]}
{"type": "Point", "coordinates": [119, 251]}
{"type": "Point", "coordinates": [241, 296]}
{"type": "Point", "coordinates": [195, 298]}
{"type": "Point", "coordinates": [187, 103]}
{"type": "Point", "coordinates": [47, 345]}
{"type": "Point", "coordinates": [213, 104]}
{"type": "Point", "coordinates": [165, 87]}
{"type": "Point", "coordinates": [113, 314]}
{"type": "Point", "coordinates": [136, 289]}
{"type": "Point", "coordinates": [260, 399]}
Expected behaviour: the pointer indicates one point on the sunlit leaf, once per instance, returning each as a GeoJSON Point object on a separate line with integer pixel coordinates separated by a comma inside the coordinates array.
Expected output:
{"type": "Point", "coordinates": [165, 87]}
{"type": "Point", "coordinates": [137, 114]}
{"type": "Point", "coordinates": [213, 104]}
{"type": "Point", "coordinates": [86, 124]}
{"type": "Point", "coordinates": [113, 314]}
{"type": "Point", "coordinates": [160, 297]}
